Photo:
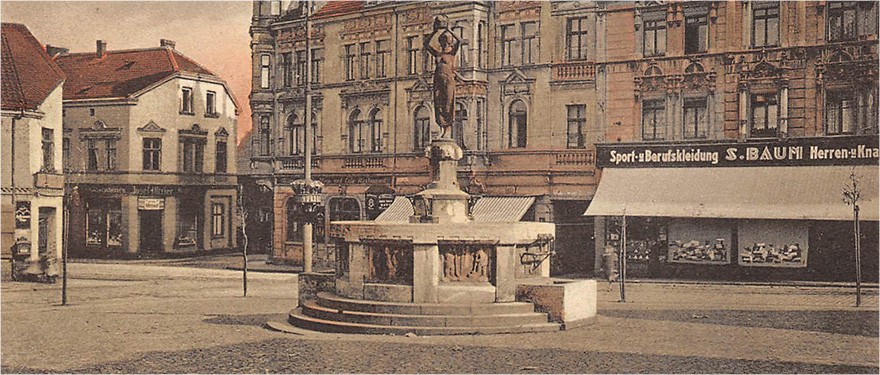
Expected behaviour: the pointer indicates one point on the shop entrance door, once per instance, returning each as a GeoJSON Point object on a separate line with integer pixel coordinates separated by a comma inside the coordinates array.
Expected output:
{"type": "Point", "coordinates": [151, 231]}
{"type": "Point", "coordinates": [45, 233]}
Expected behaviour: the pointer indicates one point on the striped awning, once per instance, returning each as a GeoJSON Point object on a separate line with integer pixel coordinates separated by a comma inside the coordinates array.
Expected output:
{"type": "Point", "coordinates": [487, 209]}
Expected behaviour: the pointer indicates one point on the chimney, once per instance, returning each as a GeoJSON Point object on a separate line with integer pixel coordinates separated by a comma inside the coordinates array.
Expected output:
{"type": "Point", "coordinates": [100, 48]}
{"type": "Point", "coordinates": [55, 51]}
{"type": "Point", "coordinates": [166, 43]}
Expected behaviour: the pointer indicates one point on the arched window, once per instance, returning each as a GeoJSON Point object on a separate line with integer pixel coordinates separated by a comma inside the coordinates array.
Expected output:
{"type": "Point", "coordinates": [376, 130]}
{"type": "Point", "coordinates": [517, 125]}
{"type": "Point", "coordinates": [461, 118]}
{"type": "Point", "coordinates": [421, 129]}
{"type": "Point", "coordinates": [295, 136]}
{"type": "Point", "coordinates": [356, 136]}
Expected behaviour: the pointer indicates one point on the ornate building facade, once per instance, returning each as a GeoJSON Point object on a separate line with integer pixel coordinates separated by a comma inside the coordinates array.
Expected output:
{"type": "Point", "coordinates": [541, 85]}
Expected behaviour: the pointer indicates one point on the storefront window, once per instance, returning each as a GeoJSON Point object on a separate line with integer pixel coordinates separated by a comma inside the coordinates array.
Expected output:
{"type": "Point", "coordinates": [104, 223]}
{"type": "Point", "coordinates": [773, 243]}
{"type": "Point", "coordinates": [701, 241]}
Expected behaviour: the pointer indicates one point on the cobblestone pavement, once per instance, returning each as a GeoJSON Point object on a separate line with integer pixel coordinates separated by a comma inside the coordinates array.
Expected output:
{"type": "Point", "coordinates": [143, 318]}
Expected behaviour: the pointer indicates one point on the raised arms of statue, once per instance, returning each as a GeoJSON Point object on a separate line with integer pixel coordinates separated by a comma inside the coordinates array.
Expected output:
{"type": "Point", "coordinates": [443, 44]}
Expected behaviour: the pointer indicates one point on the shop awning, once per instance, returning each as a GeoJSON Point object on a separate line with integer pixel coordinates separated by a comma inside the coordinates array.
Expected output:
{"type": "Point", "coordinates": [487, 209]}
{"type": "Point", "coordinates": [802, 193]}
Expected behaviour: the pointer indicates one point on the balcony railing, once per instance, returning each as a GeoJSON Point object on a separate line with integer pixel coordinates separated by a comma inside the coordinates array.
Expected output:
{"type": "Point", "coordinates": [363, 161]}
{"type": "Point", "coordinates": [574, 71]}
{"type": "Point", "coordinates": [575, 157]}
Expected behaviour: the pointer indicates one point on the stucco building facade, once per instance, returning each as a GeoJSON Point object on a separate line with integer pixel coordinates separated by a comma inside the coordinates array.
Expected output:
{"type": "Point", "coordinates": [32, 183]}
{"type": "Point", "coordinates": [149, 144]}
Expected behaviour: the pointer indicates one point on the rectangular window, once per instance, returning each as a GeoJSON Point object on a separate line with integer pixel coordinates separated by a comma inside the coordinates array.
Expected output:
{"type": "Point", "coordinates": [654, 43]}
{"type": "Point", "coordinates": [529, 42]}
{"type": "Point", "coordinates": [508, 41]}
{"type": "Point", "coordinates": [576, 39]}
{"type": "Point", "coordinates": [186, 103]}
{"type": "Point", "coordinates": [383, 53]}
{"type": "Point", "coordinates": [842, 21]}
{"type": "Point", "coordinates": [317, 57]}
{"type": "Point", "coordinates": [92, 151]}
{"type": "Point", "coordinates": [193, 155]}
{"type": "Point", "coordinates": [482, 51]}
{"type": "Point", "coordinates": [765, 116]}
{"type": "Point", "coordinates": [220, 158]}
{"type": "Point", "coordinates": [696, 34]}
{"type": "Point", "coordinates": [65, 154]}
{"type": "Point", "coordinates": [152, 154]}
{"type": "Point", "coordinates": [300, 68]}
{"type": "Point", "coordinates": [412, 55]}
{"type": "Point", "coordinates": [350, 63]}
{"type": "Point", "coordinates": [111, 154]}
{"type": "Point", "coordinates": [765, 24]}
{"type": "Point", "coordinates": [463, 53]}
{"type": "Point", "coordinates": [577, 122]}
{"type": "Point", "coordinates": [265, 136]}
{"type": "Point", "coordinates": [695, 121]}
{"type": "Point", "coordinates": [264, 71]}
{"type": "Point", "coordinates": [653, 120]}
{"type": "Point", "coordinates": [482, 133]}
{"type": "Point", "coordinates": [427, 59]}
{"type": "Point", "coordinates": [48, 144]}
{"type": "Point", "coordinates": [211, 104]}
{"type": "Point", "coordinates": [841, 113]}
{"type": "Point", "coordinates": [286, 69]}
{"type": "Point", "coordinates": [365, 60]}
{"type": "Point", "coordinates": [217, 219]}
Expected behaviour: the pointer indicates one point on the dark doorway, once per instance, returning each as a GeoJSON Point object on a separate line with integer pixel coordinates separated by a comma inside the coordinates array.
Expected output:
{"type": "Point", "coordinates": [151, 231]}
{"type": "Point", "coordinates": [575, 247]}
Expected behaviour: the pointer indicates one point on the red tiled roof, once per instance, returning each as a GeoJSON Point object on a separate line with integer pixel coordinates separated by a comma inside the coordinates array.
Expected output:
{"type": "Point", "coordinates": [29, 74]}
{"type": "Point", "coordinates": [338, 7]}
{"type": "Point", "coordinates": [120, 74]}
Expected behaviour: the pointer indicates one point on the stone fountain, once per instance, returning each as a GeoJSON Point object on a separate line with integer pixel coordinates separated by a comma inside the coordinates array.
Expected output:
{"type": "Point", "coordinates": [442, 272]}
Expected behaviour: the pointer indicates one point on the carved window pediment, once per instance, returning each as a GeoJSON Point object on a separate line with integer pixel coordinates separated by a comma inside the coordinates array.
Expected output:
{"type": "Point", "coordinates": [221, 133]}
{"type": "Point", "coordinates": [195, 130]}
{"type": "Point", "coordinates": [151, 127]}
{"type": "Point", "coordinates": [517, 84]}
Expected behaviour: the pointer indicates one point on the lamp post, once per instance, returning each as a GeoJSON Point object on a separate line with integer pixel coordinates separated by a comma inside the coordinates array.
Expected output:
{"type": "Point", "coordinates": [71, 201]}
{"type": "Point", "coordinates": [307, 191]}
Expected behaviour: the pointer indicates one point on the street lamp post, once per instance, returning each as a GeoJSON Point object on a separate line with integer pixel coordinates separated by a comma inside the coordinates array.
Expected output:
{"type": "Point", "coordinates": [307, 191]}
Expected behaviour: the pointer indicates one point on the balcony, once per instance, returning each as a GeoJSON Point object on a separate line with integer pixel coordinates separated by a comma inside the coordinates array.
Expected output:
{"type": "Point", "coordinates": [363, 161]}
{"type": "Point", "coordinates": [574, 71]}
{"type": "Point", "coordinates": [48, 180]}
{"type": "Point", "coordinates": [295, 163]}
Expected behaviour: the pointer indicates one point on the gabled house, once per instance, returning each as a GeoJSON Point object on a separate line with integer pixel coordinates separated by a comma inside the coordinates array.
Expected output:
{"type": "Point", "coordinates": [149, 142]}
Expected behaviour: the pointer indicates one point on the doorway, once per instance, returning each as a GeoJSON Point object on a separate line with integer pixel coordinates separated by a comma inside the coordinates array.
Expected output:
{"type": "Point", "coordinates": [151, 231]}
{"type": "Point", "coordinates": [46, 232]}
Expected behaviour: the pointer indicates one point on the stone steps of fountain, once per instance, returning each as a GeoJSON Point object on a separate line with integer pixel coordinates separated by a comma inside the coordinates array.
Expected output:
{"type": "Point", "coordinates": [314, 310]}
{"type": "Point", "coordinates": [335, 302]}
{"type": "Point", "coordinates": [300, 319]}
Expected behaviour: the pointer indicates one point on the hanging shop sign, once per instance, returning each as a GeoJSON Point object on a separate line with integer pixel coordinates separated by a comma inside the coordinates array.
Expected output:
{"type": "Point", "coordinates": [151, 204]}
{"type": "Point", "coordinates": [22, 215]}
{"type": "Point", "coordinates": [855, 150]}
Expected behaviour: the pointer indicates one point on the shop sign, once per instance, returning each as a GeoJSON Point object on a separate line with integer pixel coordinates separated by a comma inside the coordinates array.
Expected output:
{"type": "Point", "coordinates": [22, 215]}
{"type": "Point", "coordinates": [131, 189]}
{"type": "Point", "coordinates": [856, 150]}
{"type": "Point", "coordinates": [151, 204]}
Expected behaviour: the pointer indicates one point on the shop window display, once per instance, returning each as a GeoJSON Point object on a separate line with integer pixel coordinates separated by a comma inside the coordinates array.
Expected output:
{"type": "Point", "coordinates": [700, 241]}
{"type": "Point", "coordinates": [644, 237]}
{"type": "Point", "coordinates": [773, 243]}
{"type": "Point", "coordinates": [104, 224]}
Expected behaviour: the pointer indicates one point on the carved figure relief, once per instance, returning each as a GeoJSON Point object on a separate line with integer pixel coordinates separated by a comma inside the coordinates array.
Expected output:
{"type": "Point", "coordinates": [390, 263]}
{"type": "Point", "coordinates": [466, 263]}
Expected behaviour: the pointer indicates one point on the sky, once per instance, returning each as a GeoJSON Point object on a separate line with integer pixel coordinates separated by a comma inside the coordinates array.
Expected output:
{"type": "Point", "coordinates": [213, 33]}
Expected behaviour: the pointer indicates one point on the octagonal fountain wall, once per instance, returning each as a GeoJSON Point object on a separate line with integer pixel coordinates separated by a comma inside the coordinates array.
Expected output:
{"type": "Point", "coordinates": [441, 255]}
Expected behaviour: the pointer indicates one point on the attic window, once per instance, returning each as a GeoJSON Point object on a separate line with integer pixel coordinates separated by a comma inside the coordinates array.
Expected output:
{"type": "Point", "coordinates": [126, 66]}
